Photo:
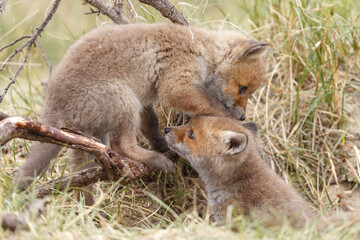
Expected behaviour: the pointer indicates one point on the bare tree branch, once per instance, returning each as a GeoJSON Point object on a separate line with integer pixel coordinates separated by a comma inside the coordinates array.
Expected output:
{"type": "Point", "coordinates": [115, 12]}
{"type": "Point", "coordinates": [28, 45]}
{"type": "Point", "coordinates": [168, 10]}
{"type": "Point", "coordinates": [33, 210]}
{"type": "Point", "coordinates": [113, 166]}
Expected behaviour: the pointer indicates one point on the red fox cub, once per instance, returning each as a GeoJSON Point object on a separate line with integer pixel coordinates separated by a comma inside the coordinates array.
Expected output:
{"type": "Point", "coordinates": [106, 85]}
{"type": "Point", "coordinates": [225, 155]}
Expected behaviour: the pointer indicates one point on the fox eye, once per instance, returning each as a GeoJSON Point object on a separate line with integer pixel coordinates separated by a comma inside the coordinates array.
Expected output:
{"type": "Point", "coordinates": [191, 134]}
{"type": "Point", "coordinates": [242, 89]}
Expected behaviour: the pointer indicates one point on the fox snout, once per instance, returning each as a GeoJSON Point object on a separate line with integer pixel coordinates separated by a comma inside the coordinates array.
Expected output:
{"type": "Point", "coordinates": [169, 136]}
{"type": "Point", "coordinates": [167, 130]}
{"type": "Point", "coordinates": [172, 139]}
{"type": "Point", "coordinates": [239, 113]}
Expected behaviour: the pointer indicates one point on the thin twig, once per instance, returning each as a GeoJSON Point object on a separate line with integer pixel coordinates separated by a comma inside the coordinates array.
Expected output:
{"type": "Point", "coordinates": [12, 80]}
{"type": "Point", "coordinates": [168, 10]}
{"type": "Point", "coordinates": [113, 12]}
{"type": "Point", "coordinates": [17, 40]}
{"type": "Point", "coordinates": [27, 44]}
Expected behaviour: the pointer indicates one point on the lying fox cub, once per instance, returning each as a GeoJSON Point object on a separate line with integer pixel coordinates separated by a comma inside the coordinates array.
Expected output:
{"type": "Point", "coordinates": [224, 153]}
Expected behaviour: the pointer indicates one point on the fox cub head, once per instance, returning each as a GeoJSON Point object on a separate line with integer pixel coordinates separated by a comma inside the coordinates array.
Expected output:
{"type": "Point", "coordinates": [212, 145]}
{"type": "Point", "coordinates": [239, 74]}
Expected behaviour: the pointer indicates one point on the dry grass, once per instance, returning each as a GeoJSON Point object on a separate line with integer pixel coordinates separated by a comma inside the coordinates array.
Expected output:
{"type": "Point", "coordinates": [307, 110]}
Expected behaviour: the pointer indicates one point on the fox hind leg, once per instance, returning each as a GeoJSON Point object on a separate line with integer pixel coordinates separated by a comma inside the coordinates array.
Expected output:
{"type": "Point", "coordinates": [38, 160]}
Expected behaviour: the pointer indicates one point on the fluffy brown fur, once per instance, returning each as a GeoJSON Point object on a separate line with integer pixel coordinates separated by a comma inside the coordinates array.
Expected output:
{"type": "Point", "coordinates": [225, 155]}
{"type": "Point", "coordinates": [106, 84]}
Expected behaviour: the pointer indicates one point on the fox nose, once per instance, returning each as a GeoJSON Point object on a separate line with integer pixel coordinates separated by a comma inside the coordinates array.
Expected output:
{"type": "Point", "coordinates": [243, 117]}
{"type": "Point", "coordinates": [167, 130]}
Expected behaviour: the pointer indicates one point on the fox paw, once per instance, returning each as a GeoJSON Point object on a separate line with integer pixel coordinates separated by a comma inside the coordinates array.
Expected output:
{"type": "Point", "coordinates": [162, 163]}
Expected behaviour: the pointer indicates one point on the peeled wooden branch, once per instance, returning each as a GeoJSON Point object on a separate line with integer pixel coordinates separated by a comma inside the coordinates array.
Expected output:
{"type": "Point", "coordinates": [112, 166]}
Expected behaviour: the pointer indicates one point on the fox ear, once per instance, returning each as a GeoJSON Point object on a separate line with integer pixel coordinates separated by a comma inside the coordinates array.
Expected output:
{"type": "Point", "coordinates": [252, 127]}
{"type": "Point", "coordinates": [250, 50]}
{"type": "Point", "coordinates": [233, 142]}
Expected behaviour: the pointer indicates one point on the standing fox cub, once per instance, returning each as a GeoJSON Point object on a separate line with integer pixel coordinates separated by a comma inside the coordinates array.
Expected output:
{"type": "Point", "coordinates": [225, 155]}
{"type": "Point", "coordinates": [106, 85]}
